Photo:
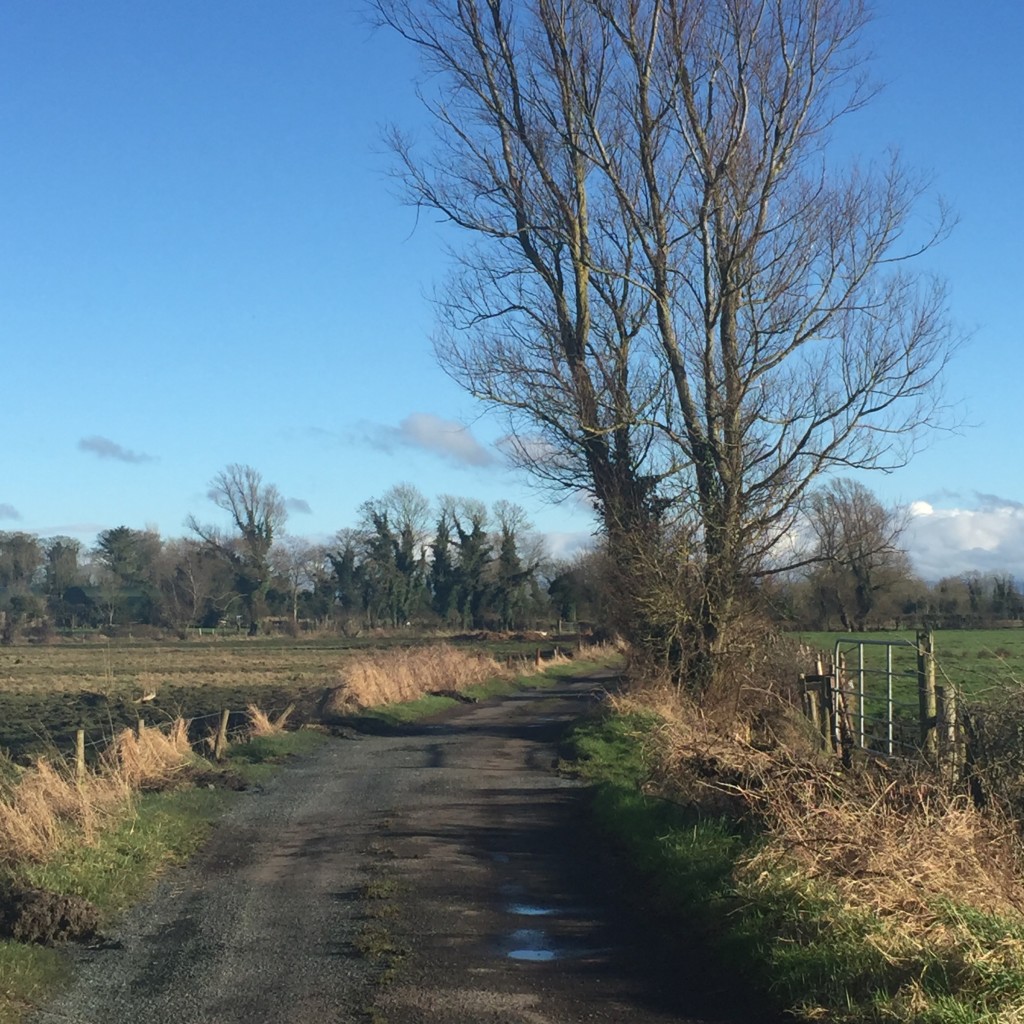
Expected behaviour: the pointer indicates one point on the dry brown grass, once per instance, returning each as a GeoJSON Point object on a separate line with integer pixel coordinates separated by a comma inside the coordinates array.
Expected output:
{"type": "Point", "coordinates": [46, 803]}
{"type": "Point", "coordinates": [389, 677]}
{"type": "Point", "coordinates": [893, 841]}
{"type": "Point", "coordinates": [894, 846]}
{"type": "Point", "coordinates": [261, 724]}
{"type": "Point", "coordinates": [149, 759]}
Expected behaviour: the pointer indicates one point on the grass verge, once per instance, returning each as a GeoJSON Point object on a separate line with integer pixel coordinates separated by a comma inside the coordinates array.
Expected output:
{"type": "Point", "coordinates": [935, 947]}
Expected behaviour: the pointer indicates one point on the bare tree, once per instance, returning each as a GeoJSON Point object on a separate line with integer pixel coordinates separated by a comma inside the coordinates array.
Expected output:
{"type": "Point", "coordinates": [300, 563]}
{"type": "Point", "coordinates": [191, 577]}
{"type": "Point", "coordinates": [671, 287]}
{"type": "Point", "coordinates": [257, 512]}
{"type": "Point", "coordinates": [858, 554]}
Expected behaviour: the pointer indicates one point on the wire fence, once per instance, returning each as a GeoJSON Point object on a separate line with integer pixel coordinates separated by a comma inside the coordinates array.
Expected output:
{"type": "Point", "coordinates": [209, 732]}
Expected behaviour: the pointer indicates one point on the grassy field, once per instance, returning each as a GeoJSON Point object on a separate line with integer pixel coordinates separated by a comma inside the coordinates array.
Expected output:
{"type": "Point", "coordinates": [48, 691]}
{"type": "Point", "coordinates": [977, 661]}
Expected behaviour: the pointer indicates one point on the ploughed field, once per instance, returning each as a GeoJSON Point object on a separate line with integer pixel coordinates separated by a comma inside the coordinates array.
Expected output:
{"type": "Point", "coordinates": [49, 691]}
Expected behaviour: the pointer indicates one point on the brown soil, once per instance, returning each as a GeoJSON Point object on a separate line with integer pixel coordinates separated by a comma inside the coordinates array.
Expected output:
{"type": "Point", "coordinates": [35, 915]}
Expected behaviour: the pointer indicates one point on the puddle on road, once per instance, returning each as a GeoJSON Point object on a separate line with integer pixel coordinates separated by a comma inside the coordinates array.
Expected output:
{"type": "Point", "coordinates": [536, 945]}
{"type": "Point", "coordinates": [530, 910]}
{"type": "Point", "coordinates": [536, 955]}
{"type": "Point", "coordinates": [530, 944]}
{"type": "Point", "coordinates": [539, 945]}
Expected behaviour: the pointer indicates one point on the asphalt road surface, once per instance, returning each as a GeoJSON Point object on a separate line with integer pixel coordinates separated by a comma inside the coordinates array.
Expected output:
{"type": "Point", "coordinates": [446, 875]}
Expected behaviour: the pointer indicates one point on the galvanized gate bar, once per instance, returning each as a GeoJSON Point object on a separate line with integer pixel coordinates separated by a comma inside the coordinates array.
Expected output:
{"type": "Point", "coordinates": [862, 673]}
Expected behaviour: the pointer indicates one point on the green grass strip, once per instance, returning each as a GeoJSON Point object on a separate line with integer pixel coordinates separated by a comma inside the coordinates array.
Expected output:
{"type": "Point", "coordinates": [27, 975]}
{"type": "Point", "coordinates": [119, 866]}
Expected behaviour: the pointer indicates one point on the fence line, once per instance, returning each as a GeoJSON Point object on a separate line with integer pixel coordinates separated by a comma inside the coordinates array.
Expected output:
{"type": "Point", "coordinates": [220, 735]}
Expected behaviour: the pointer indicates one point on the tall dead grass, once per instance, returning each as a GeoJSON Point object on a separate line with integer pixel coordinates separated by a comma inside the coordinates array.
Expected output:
{"type": "Point", "coordinates": [262, 724]}
{"type": "Point", "coordinates": [41, 808]}
{"type": "Point", "coordinates": [893, 841]}
{"type": "Point", "coordinates": [390, 677]}
{"type": "Point", "coordinates": [151, 758]}
{"type": "Point", "coordinates": [47, 805]}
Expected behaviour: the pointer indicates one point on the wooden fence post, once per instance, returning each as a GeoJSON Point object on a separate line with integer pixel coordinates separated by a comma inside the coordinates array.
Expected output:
{"type": "Point", "coordinates": [826, 696]}
{"type": "Point", "coordinates": [220, 746]}
{"type": "Point", "coordinates": [140, 728]}
{"type": "Point", "coordinates": [536, 660]}
{"type": "Point", "coordinates": [926, 692]}
{"type": "Point", "coordinates": [947, 727]}
{"type": "Point", "coordinates": [80, 755]}
{"type": "Point", "coordinates": [809, 703]}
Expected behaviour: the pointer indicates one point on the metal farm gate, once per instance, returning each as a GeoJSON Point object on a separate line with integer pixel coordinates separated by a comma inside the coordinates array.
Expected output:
{"type": "Point", "coordinates": [880, 696]}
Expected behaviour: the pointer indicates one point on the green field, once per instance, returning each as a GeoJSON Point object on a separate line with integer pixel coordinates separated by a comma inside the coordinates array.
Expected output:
{"type": "Point", "coordinates": [978, 661]}
{"type": "Point", "coordinates": [978, 664]}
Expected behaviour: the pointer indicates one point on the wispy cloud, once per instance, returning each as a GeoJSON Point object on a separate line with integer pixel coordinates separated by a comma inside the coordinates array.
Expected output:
{"type": "Point", "coordinates": [525, 449]}
{"type": "Point", "coordinates": [9, 512]}
{"type": "Point", "coordinates": [104, 448]}
{"type": "Point", "coordinates": [431, 433]}
{"type": "Point", "coordinates": [995, 503]}
{"type": "Point", "coordinates": [298, 505]}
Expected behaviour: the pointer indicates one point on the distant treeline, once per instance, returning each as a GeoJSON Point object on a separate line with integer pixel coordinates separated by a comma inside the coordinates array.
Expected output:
{"type": "Point", "coordinates": [452, 563]}
{"type": "Point", "coordinates": [819, 600]}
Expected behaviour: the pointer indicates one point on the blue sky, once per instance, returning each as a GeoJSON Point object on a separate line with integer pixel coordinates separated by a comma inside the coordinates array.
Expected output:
{"type": "Point", "coordinates": [202, 261]}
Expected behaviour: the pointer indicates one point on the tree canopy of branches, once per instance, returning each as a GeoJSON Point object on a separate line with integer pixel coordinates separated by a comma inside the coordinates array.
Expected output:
{"type": "Point", "coordinates": [257, 512]}
{"type": "Point", "coordinates": [681, 301]}
{"type": "Point", "coordinates": [857, 553]}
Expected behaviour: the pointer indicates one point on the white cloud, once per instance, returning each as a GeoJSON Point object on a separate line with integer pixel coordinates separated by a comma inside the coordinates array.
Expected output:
{"type": "Point", "coordinates": [988, 538]}
{"type": "Point", "coordinates": [431, 433]}
{"type": "Point", "coordinates": [527, 448]}
{"type": "Point", "coordinates": [568, 544]}
{"type": "Point", "coordinates": [104, 448]}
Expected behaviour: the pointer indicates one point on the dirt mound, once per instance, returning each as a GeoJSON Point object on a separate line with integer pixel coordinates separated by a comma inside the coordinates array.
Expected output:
{"type": "Point", "coordinates": [35, 915]}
